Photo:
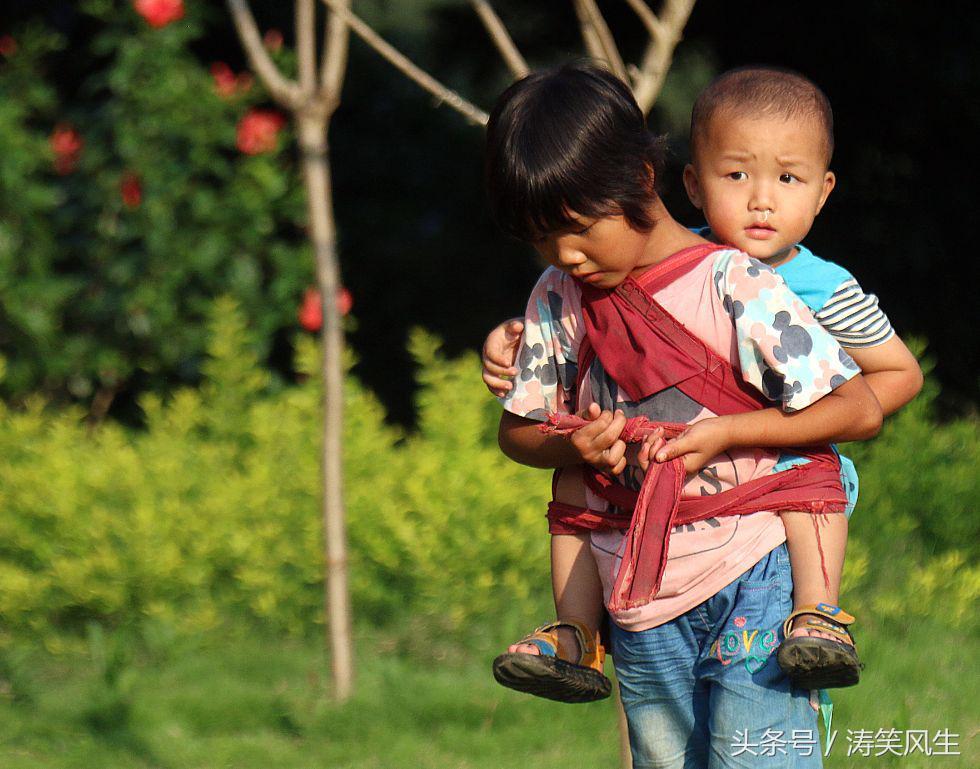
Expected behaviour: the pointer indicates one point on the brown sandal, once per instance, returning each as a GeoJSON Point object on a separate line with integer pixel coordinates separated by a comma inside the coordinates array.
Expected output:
{"type": "Point", "coordinates": [820, 663]}
{"type": "Point", "coordinates": [551, 674]}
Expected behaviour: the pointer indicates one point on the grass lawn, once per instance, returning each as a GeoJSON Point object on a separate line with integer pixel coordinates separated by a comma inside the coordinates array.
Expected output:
{"type": "Point", "coordinates": [250, 703]}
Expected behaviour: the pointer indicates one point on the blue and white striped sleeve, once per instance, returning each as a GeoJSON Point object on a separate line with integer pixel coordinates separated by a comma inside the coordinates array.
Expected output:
{"type": "Point", "coordinates": [854, 318]}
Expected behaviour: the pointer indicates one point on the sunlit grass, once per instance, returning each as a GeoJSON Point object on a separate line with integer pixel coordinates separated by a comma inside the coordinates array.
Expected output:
{"type": "Point", "coordinates": [253, 703]}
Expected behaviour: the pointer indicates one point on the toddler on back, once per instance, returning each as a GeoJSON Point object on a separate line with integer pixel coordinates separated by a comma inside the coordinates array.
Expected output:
{"type": "Point", "coordinates": [761, 145]}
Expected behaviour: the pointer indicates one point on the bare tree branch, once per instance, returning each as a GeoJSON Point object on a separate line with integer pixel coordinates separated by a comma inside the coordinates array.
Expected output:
{"type": "Point", "coordinates": [501, 39]}
{"type": "Point", "coordinates": [598, 39]}
{"type": "Point", "coordinates": [282, 89]}
{"type": "Point", "coordinates": [334, 65]}
{"type": "Point", "coordinates": [665, 34]}
{"type": "Point", "coordinates": [401, 62]}
{"type": "Point", "coordinates": [653, 25]}
{"type": "Point", "coordinates": [593, 45]}
{"type": "Point", "coordinates": [305, 11]}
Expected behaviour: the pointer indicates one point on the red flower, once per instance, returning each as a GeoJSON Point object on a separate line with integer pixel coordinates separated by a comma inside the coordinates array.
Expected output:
{"type": "Point", "coordinates": [66, 143]}
{"type": "Point", "coordinates": [345, 301]}
{"type": "Point", "coordinates": [224, 79]}
{"type": "Point", "coordinates": [227, 83]}
{"type": "Point", "coordinates": [311, 310]}
{"type": "Point", "coordinates": [8, 46]}
{"type": "Point", "coordinates": [272, 40]}
{"type": "Point", "coordinates": [131, 190]}
{"type": "Point", "coordinates": [159, 13]}
{"type": "Point", "coordinates": [258, 131]}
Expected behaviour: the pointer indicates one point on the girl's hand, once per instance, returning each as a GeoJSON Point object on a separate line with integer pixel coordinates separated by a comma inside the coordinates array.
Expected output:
{"type": "Point", "coordinates": [698, 444]}
{"type": "Point", "coordinates": [500, 354]}
{"type": "Point", "coordinates": [598, 443]}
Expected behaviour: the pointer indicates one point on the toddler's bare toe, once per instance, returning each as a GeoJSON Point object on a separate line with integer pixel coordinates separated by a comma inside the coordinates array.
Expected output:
{"type": "Point", "coordinates": [523, 649]}
{"type": "Point", "coordinates": [803, 631]}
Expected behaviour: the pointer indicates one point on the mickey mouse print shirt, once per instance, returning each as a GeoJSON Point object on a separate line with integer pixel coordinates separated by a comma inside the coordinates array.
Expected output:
{"type": "Point", "coordinates": [743, 310]}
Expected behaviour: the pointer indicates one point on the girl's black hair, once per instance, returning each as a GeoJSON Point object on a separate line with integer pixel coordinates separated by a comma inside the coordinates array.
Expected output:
{"type": "Point", "coordinates": [569, 140]}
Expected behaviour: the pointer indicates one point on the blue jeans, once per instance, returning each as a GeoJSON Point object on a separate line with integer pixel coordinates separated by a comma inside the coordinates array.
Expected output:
{"type": "Point", "coordinates": [704, 691]}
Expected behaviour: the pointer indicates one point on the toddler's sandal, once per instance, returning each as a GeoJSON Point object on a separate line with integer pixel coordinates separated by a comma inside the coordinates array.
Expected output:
{"type": "Point", "coordinates": [550, 674]}
{"type": "Point", "coordinates": [820, 663]}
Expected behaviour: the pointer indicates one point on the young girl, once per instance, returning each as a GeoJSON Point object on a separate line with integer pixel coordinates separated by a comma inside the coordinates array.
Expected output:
{"type": "Point", "coordinates": [761, 141]}
{"type": "Point", "coordinates": [571, 168]}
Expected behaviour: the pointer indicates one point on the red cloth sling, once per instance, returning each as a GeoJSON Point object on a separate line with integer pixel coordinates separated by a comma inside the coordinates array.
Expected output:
{"type": "Point", "coordinates": [646, 350]}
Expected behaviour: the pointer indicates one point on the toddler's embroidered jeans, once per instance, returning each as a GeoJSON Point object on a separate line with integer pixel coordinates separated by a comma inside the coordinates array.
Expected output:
{"type": "Point", "coordinates": [704, 691]}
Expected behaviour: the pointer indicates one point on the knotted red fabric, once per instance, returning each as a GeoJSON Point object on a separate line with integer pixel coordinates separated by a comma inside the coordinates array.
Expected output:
{"type": "Point", "coordinates": [646, 350]}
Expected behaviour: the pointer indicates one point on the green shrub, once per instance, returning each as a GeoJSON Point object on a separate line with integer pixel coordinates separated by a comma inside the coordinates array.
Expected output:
{"type": "Point", "coordinates": [919, 481]}
{"type": "Point", "coordinates": [915, 535]}
{"type": "Point", "coordinates": [212, 510]}
{"type": "Point", "coordinates": [214, 507]}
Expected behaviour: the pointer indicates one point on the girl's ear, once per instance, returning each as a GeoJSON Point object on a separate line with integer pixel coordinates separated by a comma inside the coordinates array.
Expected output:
{"type": "Point", "coordinates": [692, 186]}
{"type": "Point", "coordinates": [650, 183]}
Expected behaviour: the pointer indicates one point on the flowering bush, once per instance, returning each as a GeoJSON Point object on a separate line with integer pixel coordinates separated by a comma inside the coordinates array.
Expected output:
{"type": "Point", "coordinates": [121, 219]}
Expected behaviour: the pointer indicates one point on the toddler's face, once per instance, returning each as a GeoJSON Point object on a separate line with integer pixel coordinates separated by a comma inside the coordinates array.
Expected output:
{"type": "Point", "coordinates": [760, 181]}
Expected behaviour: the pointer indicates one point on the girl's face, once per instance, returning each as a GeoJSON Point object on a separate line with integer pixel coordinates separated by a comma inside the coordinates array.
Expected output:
{"type": "Point", "coordinates": [602, 252]}
{"type": "Point", "coordinates": [760, 181]}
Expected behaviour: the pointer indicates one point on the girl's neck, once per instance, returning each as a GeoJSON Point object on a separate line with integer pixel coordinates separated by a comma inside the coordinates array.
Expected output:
{"type": "Point", "coordinates": [667, 236]}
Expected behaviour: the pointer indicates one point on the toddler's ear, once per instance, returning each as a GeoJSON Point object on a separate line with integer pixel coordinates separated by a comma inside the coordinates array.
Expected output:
{"type": "Point", "coordinates": [692, 186]}
{"type": "Point", "coordinates": [829, 180]}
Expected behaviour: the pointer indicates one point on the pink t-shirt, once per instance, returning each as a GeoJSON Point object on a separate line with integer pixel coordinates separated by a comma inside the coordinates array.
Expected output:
{"type": "Point", "coordinates": [742, 309]}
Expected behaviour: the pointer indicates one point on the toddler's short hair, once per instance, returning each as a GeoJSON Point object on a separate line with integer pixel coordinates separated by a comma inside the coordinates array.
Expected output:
{"type": "Point", "coordinates": [571, 138]}
{"type": "Point", "coordinates": [763, 91]}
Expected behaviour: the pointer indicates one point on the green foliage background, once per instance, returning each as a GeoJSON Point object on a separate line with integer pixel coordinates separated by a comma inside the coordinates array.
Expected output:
{"type": "Point", "coordinates": [163, 586]}
{"type": "Point", "coordinates": [212, 511]}
{"type": "Point", "coordinates": [94, 294]}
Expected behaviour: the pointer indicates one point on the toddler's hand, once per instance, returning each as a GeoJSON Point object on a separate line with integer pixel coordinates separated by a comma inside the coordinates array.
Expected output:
{"type": "Point", "coordinates": [599, 443]}
{"type": "Point", "coordinates": [499, 355]}
{"type": "Point", "coordinates": [648, 449]}
{"type": "Point", "coordinates": [698, 444]}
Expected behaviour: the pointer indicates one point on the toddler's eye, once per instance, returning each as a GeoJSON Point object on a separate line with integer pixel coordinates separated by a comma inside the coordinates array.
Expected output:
{"type": "Point", "coordinates": [787, 178]}
{"type": "Point", "coordinates": [736, 176]}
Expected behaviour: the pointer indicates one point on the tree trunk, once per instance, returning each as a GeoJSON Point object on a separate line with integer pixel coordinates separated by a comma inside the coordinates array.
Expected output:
{"type": "Point", "coordinates": [312, 130]}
